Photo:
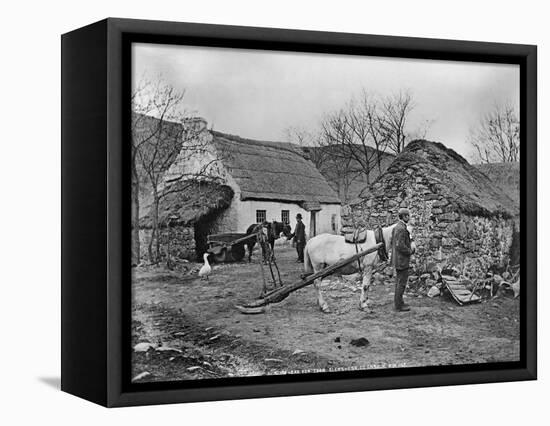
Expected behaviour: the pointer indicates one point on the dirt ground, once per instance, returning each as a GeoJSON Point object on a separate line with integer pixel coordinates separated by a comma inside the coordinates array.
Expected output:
{"type": "Point", "coordinates": [196, 332]}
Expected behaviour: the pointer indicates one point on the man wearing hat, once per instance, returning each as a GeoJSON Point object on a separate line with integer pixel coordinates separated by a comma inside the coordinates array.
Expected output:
{"type": "Point", "coordinates": [299, 237]}
{"type": "Point", "coordinates": [401, 255]}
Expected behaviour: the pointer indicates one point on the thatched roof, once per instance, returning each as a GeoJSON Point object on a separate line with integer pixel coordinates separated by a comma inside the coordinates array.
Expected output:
{"type": "Point", "coordinates": [263, 170]}
{"type": "Point", "coordinates": [444, 173]}
{"type": "Point", "coordinates": [187, 202]}
{"type": "Point", "coordinates": [272, 170]}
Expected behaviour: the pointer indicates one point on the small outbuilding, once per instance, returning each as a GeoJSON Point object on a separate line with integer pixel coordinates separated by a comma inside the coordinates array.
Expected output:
{"type": "Point", "coordinates": [458, 214]}
{"type": "Point", "coordinates": [187, 213]}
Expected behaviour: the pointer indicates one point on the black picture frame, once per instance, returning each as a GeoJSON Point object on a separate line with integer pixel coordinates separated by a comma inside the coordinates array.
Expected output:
{"type": "Point", "coordinates": [96, 226]}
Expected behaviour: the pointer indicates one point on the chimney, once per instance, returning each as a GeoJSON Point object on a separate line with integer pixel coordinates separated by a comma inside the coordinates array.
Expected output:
{"type": "Point", "coordinates": [194, 126]}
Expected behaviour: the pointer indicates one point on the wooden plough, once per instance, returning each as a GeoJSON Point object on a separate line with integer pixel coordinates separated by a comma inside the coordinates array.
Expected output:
{"type": "Point", "coordinates": [275, 296]}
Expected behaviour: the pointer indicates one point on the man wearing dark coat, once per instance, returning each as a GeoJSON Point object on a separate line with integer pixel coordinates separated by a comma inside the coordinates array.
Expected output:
{"type": "Point", "coordinates": [299, 237]}
{"type": "Point", "coordinates": [401, 255]}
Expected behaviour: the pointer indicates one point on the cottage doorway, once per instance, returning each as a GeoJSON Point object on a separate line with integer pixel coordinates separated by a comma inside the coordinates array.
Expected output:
{"type": "Point", "coordinates": [205, 226]}
{"type": "Point", "coordinates": [313, 224]}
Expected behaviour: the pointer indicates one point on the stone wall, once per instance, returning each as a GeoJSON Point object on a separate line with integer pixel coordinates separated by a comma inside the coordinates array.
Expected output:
{"type": "Point", "coordinates": [181, 241]}
{"type": "Point", "coordinates": [443, 234]}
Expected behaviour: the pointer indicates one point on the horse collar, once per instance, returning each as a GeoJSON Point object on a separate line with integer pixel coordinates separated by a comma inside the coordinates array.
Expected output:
{"type": "Point", "coordinates": [379, 238]}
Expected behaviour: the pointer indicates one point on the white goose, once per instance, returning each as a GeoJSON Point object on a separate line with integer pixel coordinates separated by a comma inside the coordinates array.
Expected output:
{"type": "Point", "coordinates": [206, 268]}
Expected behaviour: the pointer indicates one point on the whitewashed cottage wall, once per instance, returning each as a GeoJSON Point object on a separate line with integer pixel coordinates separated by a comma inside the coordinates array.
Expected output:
{"type": "Point", "coordinates": [244, 213]}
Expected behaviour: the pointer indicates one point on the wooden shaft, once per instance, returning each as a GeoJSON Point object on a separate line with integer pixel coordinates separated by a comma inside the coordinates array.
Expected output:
{"type": "Point", "coordinates": [240, 240]}
{"type": "Point", "coordinates": [280, 293]}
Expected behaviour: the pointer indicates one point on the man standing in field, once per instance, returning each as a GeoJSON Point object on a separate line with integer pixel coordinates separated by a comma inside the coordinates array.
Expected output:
{"type": "Point", "coordinates": [401, 255]}
{"type": "Point", "coordinates": [300, 237]}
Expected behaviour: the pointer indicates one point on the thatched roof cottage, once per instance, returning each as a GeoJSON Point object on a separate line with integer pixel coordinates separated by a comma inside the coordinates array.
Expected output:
{"type": "Point", "coordinates": [459, 215]}
{"type": "Point", "coordinates": [267, 180]}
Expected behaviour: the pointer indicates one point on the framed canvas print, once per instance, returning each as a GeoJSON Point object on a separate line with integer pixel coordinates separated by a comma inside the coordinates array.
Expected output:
{"type": "Point", "coordinates": [252, 212]}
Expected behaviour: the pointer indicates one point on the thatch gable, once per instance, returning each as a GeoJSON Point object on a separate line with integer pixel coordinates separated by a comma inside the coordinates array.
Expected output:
{"type": "Point", "coordinates": [272, 171]}
{"type": "Point", "coordinates": [186, 203]}
{"type": "Point", "coordinates": [444, 174]}
{"type": "Point", "coordinates": [146, 128]}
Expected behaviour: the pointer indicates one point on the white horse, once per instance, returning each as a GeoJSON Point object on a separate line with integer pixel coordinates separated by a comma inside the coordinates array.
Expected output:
{"type": "Point", "coordinates": [327, 249]}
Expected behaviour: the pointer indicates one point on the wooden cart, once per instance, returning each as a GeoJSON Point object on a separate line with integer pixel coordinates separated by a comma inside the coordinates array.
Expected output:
{"type": "Point", "coordinates": [228, 247]}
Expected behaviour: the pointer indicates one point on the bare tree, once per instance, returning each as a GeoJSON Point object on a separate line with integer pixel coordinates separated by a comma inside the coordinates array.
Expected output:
{"type": "Point", "coordinates": [496, 137]}
{"type": "Point", "coordinates": [336, 138]}
{"type": "Point", "coordinates": [370, 125]}
{"type": "Point", "coordinates": [393, 115]}
{"type": "Point", "coordinates": [368, 141]}
{"type": "Point", "coordinates": [374, 124]}
{"type": "Point", "coordinates": [326, 152]}
{"type": "Point", "coordinates": [161, 131]}
{"type": "Point", "coordinates": [357, 138]}
{"type": "Point", "coordinates": [140, 113]}
{"type": "Point", "coordinates": [353, 139]}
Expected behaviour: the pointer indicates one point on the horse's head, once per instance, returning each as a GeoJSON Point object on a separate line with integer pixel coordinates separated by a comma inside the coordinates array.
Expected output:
{"type": "Point", "coordinates": [286, 230]}
{"type": "Point", "coordinates": [281, 227]}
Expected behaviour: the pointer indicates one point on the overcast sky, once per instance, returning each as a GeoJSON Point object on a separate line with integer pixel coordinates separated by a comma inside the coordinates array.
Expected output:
{"type": "Point", "coordinates": [259, 94]}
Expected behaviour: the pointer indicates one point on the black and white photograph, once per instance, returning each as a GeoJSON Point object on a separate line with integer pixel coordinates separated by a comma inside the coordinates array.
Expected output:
{"type": "Point", "coordinates": [286, 213]}
{"type": "Point", "coordinates": [298, 212]}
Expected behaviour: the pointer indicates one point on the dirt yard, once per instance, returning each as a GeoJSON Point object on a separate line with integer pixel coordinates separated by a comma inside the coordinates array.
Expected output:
{"type": "Point", "coordinates": [196, 332]}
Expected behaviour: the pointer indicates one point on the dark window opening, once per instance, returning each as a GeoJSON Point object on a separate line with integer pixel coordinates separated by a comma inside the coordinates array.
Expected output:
{"type": "Point", "coordinates": [260, 216]}
{"type": "Point", "coordinates": [285, 216]}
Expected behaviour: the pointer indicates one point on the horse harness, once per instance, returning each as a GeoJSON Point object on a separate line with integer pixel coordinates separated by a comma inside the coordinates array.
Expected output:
{"type": "Point", "coordinates": [379, 238]}
{"type": "Point", "coordinates": [359, 236]}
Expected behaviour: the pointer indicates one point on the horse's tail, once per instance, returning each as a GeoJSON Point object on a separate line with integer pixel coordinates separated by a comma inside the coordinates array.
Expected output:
{"type": "Point", "coordinates": [308, 266]}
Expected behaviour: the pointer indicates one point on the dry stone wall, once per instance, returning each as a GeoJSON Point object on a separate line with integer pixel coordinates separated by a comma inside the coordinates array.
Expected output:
{"type": "Point", "coordinates": [442, 232]}
{"type": "Point", "coordinates": [181, 241]}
